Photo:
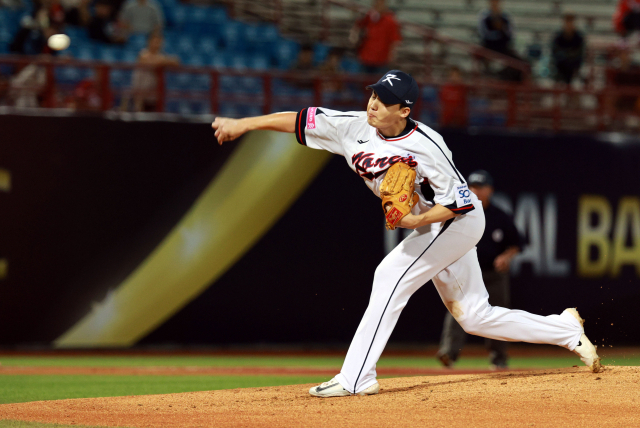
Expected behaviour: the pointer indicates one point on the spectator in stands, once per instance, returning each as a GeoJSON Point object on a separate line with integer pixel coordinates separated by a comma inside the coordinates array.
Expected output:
{"type": "Point", "coordinates": [28, 86]}
{"type": "Point", "coordinates": [47, 19]}
{"type": "Point", "coordinates": [144, 80]}
{"type": "Point", "coordinates": [72, 11]}
{"type": "Point", "coordinates": [495, 29]}
{"type": "Point", "coordinates": [329, 69]}
{"type": "Point", "coordinates": [453, 100]}
{"type": "Point", "coordinates": [378, 34]}
{"type": "Point", "coordinates": [567, 50]}
{"type": "Point", "coordinates": [624, 74]}
{"type": "Point", "coordinates": [31, 37]}
{"type": "Point", "coordinates": [88, 94]}
{"type": "Point", "coordinates": [142, 16]}
{"type": "Point", "coordinates": [100, 26]}
{"type": "Point", "coordinates": [626, 18]}
{"type": "Point", "coordinates": [304, 63]}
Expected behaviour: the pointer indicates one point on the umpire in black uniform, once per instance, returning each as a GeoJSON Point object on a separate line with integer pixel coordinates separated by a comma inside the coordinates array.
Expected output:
{"type": "Point", "coordinates": [497, 247]}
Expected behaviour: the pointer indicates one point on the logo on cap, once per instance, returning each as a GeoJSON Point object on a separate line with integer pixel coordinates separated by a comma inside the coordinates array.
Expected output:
{"type": "Point", "coordinates": [408, 102]}
{"type": "Point", "coordinates": [389, 77]}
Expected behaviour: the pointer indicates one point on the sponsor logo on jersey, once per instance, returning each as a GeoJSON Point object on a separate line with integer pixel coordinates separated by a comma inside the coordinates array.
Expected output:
{"type": "Point", "coordinates": [362, 142]}
{"type": "Point", "coordinates": [463, 195]}
{"type": "Point", "coordinates": [369, 167]}
{"type": "Point", "coordinates": [311, 117]}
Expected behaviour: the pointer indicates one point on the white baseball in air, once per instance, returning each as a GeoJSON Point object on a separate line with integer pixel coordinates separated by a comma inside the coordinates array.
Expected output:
{"type": "Point", "coordinates": [59, 42]}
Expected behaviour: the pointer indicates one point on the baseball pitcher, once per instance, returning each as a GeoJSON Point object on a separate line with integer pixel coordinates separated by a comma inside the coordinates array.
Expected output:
{"type": "Point", "coordinates": [409, 166]}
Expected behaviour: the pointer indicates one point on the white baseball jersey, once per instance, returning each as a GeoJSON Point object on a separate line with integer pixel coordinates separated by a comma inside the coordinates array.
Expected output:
{"type": "Point", "coordinates": [370, 154]}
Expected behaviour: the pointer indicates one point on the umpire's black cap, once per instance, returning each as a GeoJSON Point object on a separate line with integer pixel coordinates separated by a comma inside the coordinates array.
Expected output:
{"type": "Point", "coordinates": [396, 87]}
{"type": "Point", "coordinates": [480, 178]}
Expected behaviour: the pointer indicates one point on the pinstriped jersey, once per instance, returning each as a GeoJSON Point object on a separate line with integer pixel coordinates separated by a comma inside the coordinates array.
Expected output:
{"type": "Point", "coordinates": [370, 154]}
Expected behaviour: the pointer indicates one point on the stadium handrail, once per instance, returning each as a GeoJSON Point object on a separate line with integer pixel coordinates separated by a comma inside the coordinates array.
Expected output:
{"type": "Point", "coordinates": [519, 103]}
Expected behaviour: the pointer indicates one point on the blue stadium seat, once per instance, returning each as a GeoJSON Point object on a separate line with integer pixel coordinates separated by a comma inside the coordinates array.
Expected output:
{"type": "Point", "coordinates": [200, 82]}
{"type": "Point", "coordinates": [218, 61]}
{"type": "Point", "coordinates": [120, 78]}
{"type": "Point", "coordinates": [351, 65]}
{"type": "Point", "coordinates": [9, 20]}
{"type": "Point", "coordinates": [239, 62]}
{"type": "Point", "coordinates": [76, 33]}
{"type": "Point", "coordinates": [6, 35]}
{"type": "Point", "coordinates": [200, 107]}
{"type": "Point", "coordinates": [197, 14]}
{"type": "Point", "coordinates": [178, 107]}
{"type": "Point", "coordinates": [69, 75]}
{"type": "Point", "coordinates": [185, 45]}
{"type": "Point", "coordinates": [232, 36]}
{"type": "Point", "coordinates": [320, 52]}
{"type": "Point", "coordinates": [251, 85]}
{"type": "Point", "coordinates": [178, 81]}
{"type": "Point", "coordinates": [110, 54]}
{"type": "Point", "coordinates": [229, 84]}
{"type": "Point", "coordinates": [179, 16]}
{"type": "Point", "coordinates": [258, 62]}
{"type": "Point", "coordinates": [218, 15]}
{"type": "Point", "coordinates": [229, 110]}
{"type": "Point", "coordinates": [207, 46]}
{"type": "Point", "coordinates": [195, 61]}
{"type": "Point", "coordinates": [129, 55]}
{"type": "Point", "coordinates": [282, 87]}
{"type": "Point", "coordinates": [430, 94]}
{"type": "Point", "coordinates": [251, 35]}
{"type": "Point", "coordinates": [86, 53]}
{"type": "Point", "coordinates": [286, 53]}
{"type": "Point", "coordinates": [137, 42]}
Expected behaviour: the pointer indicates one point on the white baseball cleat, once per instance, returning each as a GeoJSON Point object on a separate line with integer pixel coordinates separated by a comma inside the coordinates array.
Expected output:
{"type": "Point", "coordinates": [334, 389]}
{"type": "Point", "coordinates": [585, 349]}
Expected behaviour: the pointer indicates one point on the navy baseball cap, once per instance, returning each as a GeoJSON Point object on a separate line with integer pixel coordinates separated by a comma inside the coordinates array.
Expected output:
{"type": "Point", "coordinates": [396, 87]}
{"type": "Point", "coordinates": [480, 178]}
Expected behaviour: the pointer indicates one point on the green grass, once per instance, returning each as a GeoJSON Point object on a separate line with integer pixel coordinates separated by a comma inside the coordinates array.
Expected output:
{"type": "Point", "coordinates": [310, 361]}
{"type": "Point", "coordinates": [22, 388]}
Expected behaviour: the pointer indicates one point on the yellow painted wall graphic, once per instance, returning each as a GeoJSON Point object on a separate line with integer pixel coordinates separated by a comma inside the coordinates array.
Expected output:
{"type": "Point", "coordinates": [616, 240]}
{"type": "Point", "coordinates": [263, 177]}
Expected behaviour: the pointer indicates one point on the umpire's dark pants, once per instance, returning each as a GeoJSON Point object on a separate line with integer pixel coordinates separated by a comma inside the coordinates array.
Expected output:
{"type": "Point", "coordinates": [454, 337]}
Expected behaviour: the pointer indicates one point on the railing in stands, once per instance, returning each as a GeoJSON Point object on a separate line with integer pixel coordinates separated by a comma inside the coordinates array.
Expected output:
{"type": "Point", "coordinates": [236, 93]}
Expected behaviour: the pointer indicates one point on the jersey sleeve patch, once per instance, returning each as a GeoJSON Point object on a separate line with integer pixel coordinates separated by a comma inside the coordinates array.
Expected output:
{"type": "Point", "coordinates": [301, 123]}
{"type": "Point", "coordinates": [463, 203]}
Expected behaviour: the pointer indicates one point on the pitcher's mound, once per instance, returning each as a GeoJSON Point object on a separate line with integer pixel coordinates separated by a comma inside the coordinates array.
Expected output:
{"type": "Point", "coordinates": [544, 398]}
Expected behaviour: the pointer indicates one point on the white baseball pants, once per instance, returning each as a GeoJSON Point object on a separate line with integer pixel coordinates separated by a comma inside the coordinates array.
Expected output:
{"type": "Point", "coordinates": [446, 253]}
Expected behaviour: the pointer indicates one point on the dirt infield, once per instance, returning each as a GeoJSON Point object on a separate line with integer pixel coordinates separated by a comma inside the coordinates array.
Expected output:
{"type": "Point", "coordinates": [542, 398]}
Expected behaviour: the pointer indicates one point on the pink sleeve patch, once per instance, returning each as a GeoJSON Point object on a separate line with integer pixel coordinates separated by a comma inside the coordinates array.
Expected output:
{"type": "Point", "coordinates": [311, 117]}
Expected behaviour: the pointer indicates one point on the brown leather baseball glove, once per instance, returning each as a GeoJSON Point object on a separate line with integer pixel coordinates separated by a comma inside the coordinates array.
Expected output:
{"type": "Point", "coordinates": [397, 193]}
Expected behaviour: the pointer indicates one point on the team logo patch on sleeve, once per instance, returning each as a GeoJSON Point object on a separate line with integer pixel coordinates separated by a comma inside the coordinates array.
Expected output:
{"type": "Point", "coordinates": [311, 117]}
